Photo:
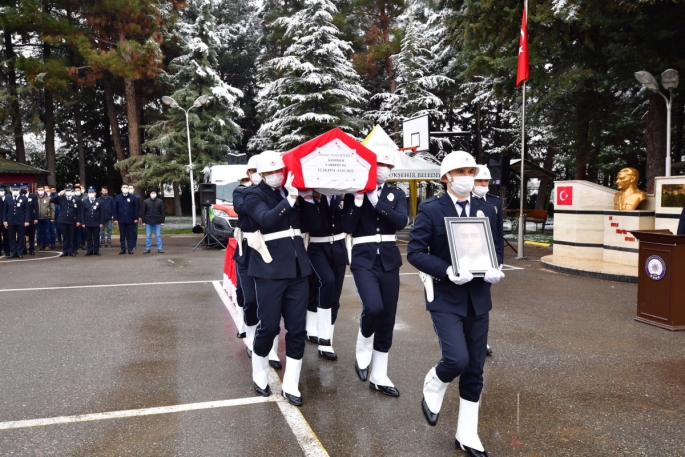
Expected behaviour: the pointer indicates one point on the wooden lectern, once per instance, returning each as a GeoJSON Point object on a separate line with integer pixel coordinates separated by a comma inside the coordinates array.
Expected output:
{"type": "Point", "coordinates": [661, 279]}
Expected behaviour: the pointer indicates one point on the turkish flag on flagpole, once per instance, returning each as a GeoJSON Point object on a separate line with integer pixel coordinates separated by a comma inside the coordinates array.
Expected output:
{"type": "Point", "coordinates": [523, 68]}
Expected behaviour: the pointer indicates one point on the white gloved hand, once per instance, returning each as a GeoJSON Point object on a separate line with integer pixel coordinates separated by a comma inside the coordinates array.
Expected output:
{"type": "Point", "coordinates": [372, 195]}
{"type": "Point", "coordinates": [463, 278]}
{"type": "Point", "coordinates": [493, 275]}
{"type": "Point", "coordinates": [292, 191]}
{"type": "Point", "coordinates": [358, 199]}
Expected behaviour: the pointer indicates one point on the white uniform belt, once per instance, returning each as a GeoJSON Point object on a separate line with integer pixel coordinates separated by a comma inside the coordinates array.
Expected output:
{"type": "Point", "coordinates": [374, 239]}
{"type": "Point", "coordinates": [327, 239]}
{"type": "Point", "coordinates": [290, 233]}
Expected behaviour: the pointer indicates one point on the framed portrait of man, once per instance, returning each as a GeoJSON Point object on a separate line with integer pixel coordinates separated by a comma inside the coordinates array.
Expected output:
{"type": "Point", "coordinates": [471, 244]}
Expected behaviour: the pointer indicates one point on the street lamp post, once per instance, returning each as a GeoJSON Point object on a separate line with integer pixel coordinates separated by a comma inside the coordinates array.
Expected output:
{"type": "Point", "coordinates": [201, 100]}
{"type": "Point", "coordinates": [669, 79]}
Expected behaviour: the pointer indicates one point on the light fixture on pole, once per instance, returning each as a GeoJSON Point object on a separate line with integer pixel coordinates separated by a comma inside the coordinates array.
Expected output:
{"type": "Point", "coordinates": [670, 80]}
{"type": "Point", "coordinates": [201, 100]}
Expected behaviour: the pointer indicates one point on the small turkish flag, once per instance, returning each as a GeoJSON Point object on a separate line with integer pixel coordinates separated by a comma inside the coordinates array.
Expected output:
{"type": "Point", "coordinates": [564, 195]}
{"type": "Point", "coordinates": [524, 68]}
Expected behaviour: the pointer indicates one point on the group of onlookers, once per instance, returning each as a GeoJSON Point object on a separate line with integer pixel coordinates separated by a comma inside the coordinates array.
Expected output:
{"type": "Point", "coordinates": [75, 218]}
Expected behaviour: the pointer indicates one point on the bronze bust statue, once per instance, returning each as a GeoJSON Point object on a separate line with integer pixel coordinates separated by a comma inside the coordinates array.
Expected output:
{"type": "Point", "coordinates": [628, 196]}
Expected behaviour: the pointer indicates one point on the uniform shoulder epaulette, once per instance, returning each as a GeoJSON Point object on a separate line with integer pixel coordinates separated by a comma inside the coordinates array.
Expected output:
{"type": "Point", "coordinates": [494, 197]}
{"type": "Point", "coordinates": [430, 200]}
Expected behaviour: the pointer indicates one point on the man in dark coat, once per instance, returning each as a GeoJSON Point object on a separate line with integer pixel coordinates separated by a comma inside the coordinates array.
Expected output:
{"type": "Point", "coordinates": [153, 215]}
{"type": "Point", "coordinates": [92, 219]}
{"type": "Point", "coordinates": [4, 237]}
{"type": "Point", "coordinates": [107, 207]}
{"type": "Point", "coordinates": [68, 219]}
{"type": "Point", "coordinates": [16, 217]}
{"type": "Point", "coordinates": [126, 213]}
{"type": "Point", "coordinates": [459, 304]}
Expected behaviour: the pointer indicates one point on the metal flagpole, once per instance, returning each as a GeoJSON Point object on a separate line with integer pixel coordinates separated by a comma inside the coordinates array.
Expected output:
{"type": "Point", "coordinates": [522, 227]}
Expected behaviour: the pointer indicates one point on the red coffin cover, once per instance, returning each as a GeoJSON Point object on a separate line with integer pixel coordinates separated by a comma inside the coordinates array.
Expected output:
{"type": "Point", "coordinates": [291, 159]}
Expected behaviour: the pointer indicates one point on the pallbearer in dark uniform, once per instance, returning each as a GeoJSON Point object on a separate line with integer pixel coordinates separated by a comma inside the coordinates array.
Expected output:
{"type": "Point", "coordinates": [33, 220]}
{"type": "Point", "coordinates": [373, 219]}
{"type": "Point", "coordinates": [280, 266]}
{"type": "Point", "coordinates": [68, 219]}
{"type": "Point", "coordinates": [4, 237]}
{"type": "Point", "coordinates": [480, 190]}
{"type": "Point", "coordinates": [681, 223]}
{"type": "Point", "coordinates": [459, 303]}
{"type": "Point", "coordinates": [92, 219]}
{"type": "Point", "coordinates": [16, 216]}
{"type": "Point", "coordinates": [246, 286]}
{"type": "Point", "coordinates": [328, 254]}
{"type": "Point", "coordinates": [126, 213]}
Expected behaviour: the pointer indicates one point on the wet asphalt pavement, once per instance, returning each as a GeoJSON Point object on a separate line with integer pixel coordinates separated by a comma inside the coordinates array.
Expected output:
{"type": "Point", "coordinates": [572, 374]}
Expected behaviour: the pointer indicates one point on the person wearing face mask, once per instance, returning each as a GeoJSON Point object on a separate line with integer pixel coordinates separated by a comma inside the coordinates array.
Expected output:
{"type": "Point", "coordinates": [4, 236]}
{"type": "Point", "coordinates": [373, 219]}
{"type": "Point", "coordinates": [246, 294]}
{"type": "Point", "coordinates": [52, 232]}
{"type": "Point", "coordinates": [16, 217]}
{"type": "Point", "coordinates": [92, 220]}
{"type": "Point", "coordinates": [68, 219]}
{"type": "Point", "coordinates": [280, 266]}
{"type": "Point", "coordinates": [80, 237]}
{"type": "Point", "coordinates": [152, 218]}
{"type": "Point", "coordinates": [126, 213]}
{"type": "Point", "coordinates": [107, 205]}
{"type": "Point", "coordinates": [33, 220]}
{"type": "Point", "coordinates": [46, 214]}
{"type": "Point", "coordinates": [460, 304]}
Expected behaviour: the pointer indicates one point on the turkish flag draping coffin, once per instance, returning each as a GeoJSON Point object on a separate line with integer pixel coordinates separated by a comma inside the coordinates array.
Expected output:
{"type": "Point", "coordinates": [332, 164]}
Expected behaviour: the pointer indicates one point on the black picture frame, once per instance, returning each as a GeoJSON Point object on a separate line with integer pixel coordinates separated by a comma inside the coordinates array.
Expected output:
{"type": "Point", "coordinates": [480, 264]}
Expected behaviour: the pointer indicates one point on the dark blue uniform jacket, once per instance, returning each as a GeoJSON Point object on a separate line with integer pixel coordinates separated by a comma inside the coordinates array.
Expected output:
{"type": "Point", "coordinates": [69, 211]}
{"type": "Point", "coordinates": [497, 237]}
{"type": "Point", "coordinates": [429, 252]}
{"type": "Point", "coordinates": [16, 211]}
{"type": "Point", "coordinates": [330, 216]}
{"type": "Point", "coordinates": [273, 213]}
{"type": "Point", "coordinates": [91, 213]}
{"type": "Point", "coordinates": [126, 208]}
{"type": "Point", "coordinates": [389, 216]}
{"type": "Point", "coordinates": [245, 223]}
{"type": "Point", "coordinates": [106, 206]}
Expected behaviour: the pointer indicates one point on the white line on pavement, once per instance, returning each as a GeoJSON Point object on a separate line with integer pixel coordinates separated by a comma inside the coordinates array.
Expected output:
{"type": "Point", "coordinates": [132, 413]}
{"type": "Point", "coordinates": [93, 286]}
{"type": "Point", "coordinates": [306, 438]}
{"type": "Point", "coordinates": [511, 267]}
{"type": "Point", "coordinates": [56, 254]}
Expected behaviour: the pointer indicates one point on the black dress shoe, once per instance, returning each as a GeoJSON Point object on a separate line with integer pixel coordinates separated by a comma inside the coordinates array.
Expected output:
{"type": "Point", "coordinates": [428, 414]}
{"type": "Point", "coordinates": [64, 254]}
{"type": "Point", "coordinates": [292, 399]}
{"type": "Point", "coordinates": [32, 252]}
{"type": "Point", "coordinates": [241, 335]}
{"type": "Point", "coordinates": [89, 254]}
{"type": "Point", "coordinates": [363, 374]}
{"type": "Point", "coordinates": [328, 355]}
{"type": "Point", "coordinates": [263, 392]}
{"type": "Point", "coordinates": [488, 351]}
{"type": "Point", "coordinates": [385, 390]}
{"type": "Point", "coordinates": [313, 339]}
{"type": "Point", "coordinates": [131, 251]}
{"type": "Point", "coordinates": [122, 252]}
{"type": "Point", "coordinates": [73, 254]}
{"type": "Point", "coordinates": [160, 251]}
{"type": "Point", "coordinates": [19, 256]}
{"type": "Point", "coordinates": [147, 251]}
{"type": "Point", "coordinates": [96, 253]}
{"type": "Point", "coordinates": [470, 452]}
{"type": "Point", "coordinates": [275, 364]}
{"type": "Point", "coordinates": [249, 353]}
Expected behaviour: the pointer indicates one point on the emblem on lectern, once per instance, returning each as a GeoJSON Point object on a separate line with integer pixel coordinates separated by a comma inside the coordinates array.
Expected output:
{"type": "Point", "coordinates": [655, 267]}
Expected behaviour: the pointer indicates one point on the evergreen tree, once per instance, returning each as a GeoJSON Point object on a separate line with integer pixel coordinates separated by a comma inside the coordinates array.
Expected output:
{"type": "Point", "coordinates": [213, 130]}
{"type": "Point", "coordinates": [316, 87]}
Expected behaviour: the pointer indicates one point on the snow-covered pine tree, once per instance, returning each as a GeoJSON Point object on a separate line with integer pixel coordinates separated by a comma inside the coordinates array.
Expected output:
{"type": "Point", "coordinates": [419, 75]}
{"type": "Point", "coordinates": [313, 86]}
{"type": "Point", "coordinates": [213, 131]}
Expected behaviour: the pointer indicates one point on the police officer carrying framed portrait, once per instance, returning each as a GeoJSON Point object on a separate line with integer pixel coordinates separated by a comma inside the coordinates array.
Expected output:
{"type": "Point", "coordinates": [458, 302]}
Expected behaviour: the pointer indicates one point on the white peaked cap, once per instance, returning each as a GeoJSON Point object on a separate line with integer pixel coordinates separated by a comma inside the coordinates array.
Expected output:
{"type": "Point", "coordinates": [269, 161]}
{"type": "Point", "coordinates": [483, 172]}
{"type": "Point", "coordinates": [382, 145]}
{"type": "Point", "coordinates": [456, 159]}
{"type": "Point", "coordinates": [252, 163]}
